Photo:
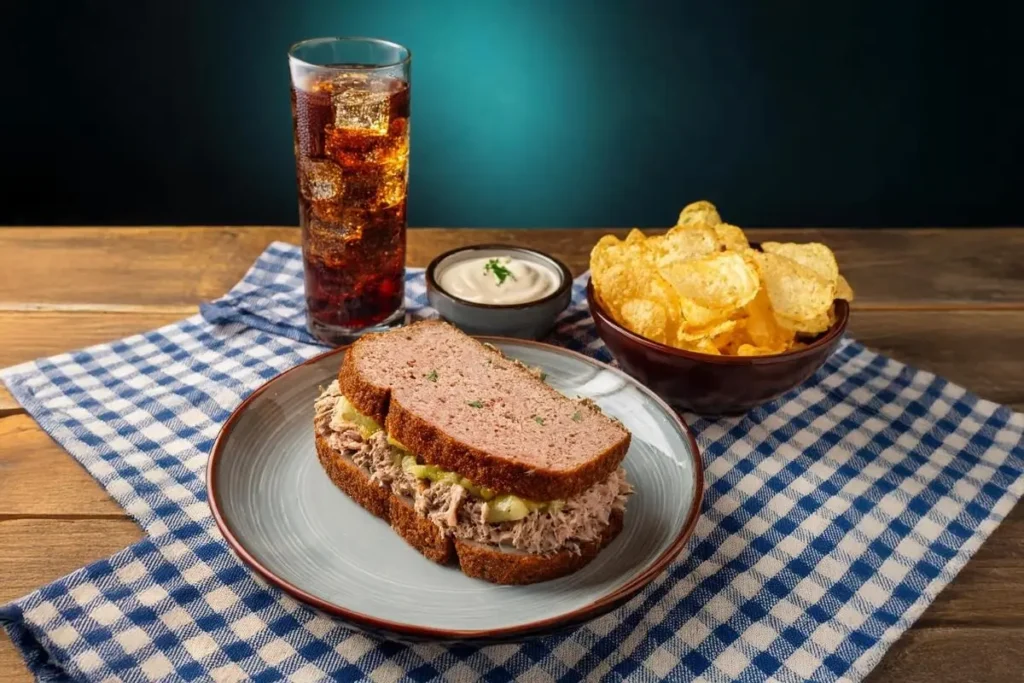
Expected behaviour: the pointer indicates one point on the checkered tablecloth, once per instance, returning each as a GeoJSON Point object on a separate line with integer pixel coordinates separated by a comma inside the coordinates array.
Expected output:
{"type": "Point", "coordinates": [832, 518]}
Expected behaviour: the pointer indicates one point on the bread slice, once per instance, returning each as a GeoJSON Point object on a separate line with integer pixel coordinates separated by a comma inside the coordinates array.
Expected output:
{"type": "Point", "coordinates": [477, 560]}
{"type": "Point", "coordinates": [464, 407]}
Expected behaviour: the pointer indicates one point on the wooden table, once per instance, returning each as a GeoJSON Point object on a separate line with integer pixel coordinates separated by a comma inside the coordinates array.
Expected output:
{"type": "Point", "coordinates": [949, 301]}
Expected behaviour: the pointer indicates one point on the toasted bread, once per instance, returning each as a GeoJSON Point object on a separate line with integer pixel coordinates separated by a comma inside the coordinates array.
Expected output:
{"type": "Point", "coordinates": [477, 560]}
{"type": "Point", "coordinates": [466, 408]}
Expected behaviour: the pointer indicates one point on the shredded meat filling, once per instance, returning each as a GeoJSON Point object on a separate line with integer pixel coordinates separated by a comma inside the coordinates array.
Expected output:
{"type": "Point", "coordinates": [451, 507]}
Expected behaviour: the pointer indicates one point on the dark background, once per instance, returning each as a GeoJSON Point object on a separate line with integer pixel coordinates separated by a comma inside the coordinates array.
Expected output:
{"type": "Point", "coordinates": [529, 113]}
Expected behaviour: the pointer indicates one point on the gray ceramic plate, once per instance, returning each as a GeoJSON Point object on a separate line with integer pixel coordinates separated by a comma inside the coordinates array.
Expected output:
{"type": "Point", "coordinates": [283, 516]}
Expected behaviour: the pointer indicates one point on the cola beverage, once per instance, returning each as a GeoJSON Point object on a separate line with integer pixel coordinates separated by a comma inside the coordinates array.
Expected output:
{"type": "Point", "coordinates": [351, 134]}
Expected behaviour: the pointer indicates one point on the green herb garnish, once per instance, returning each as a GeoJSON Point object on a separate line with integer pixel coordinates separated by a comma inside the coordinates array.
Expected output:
{"type": "Point", "coordinates": [432, 375]}
{"type": "Point", "coordinates": [539, 420]}
{"type": "Point", "coordinates": [577, 416]}
{"type": "Point", "coordinates": [500, 272]}
{"type": "Point", "coordinates": [475, 404]}
{"type": "Point", "coordinates": [543, 376]}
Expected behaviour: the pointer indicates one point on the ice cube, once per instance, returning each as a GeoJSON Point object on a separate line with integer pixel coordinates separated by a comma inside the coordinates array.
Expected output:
{"type": "Point", "coordinates": [361, 188]}
{"type": "Point", "coordinates": [352, 223]}
{"type": "Point", "coordinates": [375, 189]}
{"type": "Point", "coordinates": [392, 190]}
{"type": "Point", "coordinates": [321, 185]}
{"type": "Point", "coordinates": [322, 181]}
{"type": "Point", "coordinates": [361, 109]}
{"type": "Point", "coordinates": [395, 154]}
{"type": "Point", "coordinates": [353, 149]}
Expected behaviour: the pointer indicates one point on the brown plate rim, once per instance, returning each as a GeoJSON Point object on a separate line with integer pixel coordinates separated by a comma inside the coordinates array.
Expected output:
{"type": "Point", "coordinates": [594, 609]}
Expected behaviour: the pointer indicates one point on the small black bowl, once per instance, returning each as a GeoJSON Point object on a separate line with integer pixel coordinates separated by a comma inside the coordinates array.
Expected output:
{"type": "Point", "coordinates": [529, 320]}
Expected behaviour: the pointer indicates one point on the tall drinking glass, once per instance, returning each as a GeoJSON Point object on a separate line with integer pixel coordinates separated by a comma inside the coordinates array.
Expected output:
{"type": "Point", "coordinates": [350, 117]}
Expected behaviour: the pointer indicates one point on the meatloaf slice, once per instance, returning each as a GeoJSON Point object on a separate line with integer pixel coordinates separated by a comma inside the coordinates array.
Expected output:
{"type": "Point", "coordinates": [464, 407]}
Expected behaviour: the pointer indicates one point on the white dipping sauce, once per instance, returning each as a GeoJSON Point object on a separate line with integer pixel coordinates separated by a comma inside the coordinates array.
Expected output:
{"type": "Point", "coordinates": [498, 280]}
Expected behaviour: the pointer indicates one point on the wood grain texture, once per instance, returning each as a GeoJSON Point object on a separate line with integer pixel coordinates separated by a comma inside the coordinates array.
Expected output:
{"type": "Point", "coordinates": [980, 350]}
{"type": "Point", "coordinates": [947, 301]}
{"type": "Point", "coordinates": [183, 266]}
{"type": "Point", "coordinates": [39, 479]}
{"type": "Point", "coordinates": [37, 551]}
{"type": "Point", "coordinates": [8, 406]}
{"type": "Point", "coordinates": [32, 334]}
{"type": "Point", "coordinates": [11, 663]}
{"type": "Point", "coordinates": [960, 655]}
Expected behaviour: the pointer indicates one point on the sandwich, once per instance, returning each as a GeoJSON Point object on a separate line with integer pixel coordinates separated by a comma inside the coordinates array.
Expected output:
{"type": "Point", "coordinates": [470, 456]}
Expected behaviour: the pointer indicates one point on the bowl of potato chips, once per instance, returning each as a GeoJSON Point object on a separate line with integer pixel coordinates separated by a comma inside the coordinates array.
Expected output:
{"type": "Point", "coordinates": [712, 322]}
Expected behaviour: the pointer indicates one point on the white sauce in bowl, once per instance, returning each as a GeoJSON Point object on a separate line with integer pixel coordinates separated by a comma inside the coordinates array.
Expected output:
{"type": "Point", "coordinates": [498, 280]}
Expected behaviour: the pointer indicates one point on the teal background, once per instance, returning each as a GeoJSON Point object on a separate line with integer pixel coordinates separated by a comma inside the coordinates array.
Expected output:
{"type": "Point", "coordinates": [530, 113]}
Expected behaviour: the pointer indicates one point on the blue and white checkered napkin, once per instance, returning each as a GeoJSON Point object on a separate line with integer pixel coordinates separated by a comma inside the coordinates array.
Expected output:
{"type": "Point", "coordinates": [833, 516]}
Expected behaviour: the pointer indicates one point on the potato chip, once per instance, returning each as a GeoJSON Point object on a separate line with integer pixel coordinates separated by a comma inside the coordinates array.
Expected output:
{"type": "Point", "coordinates": [797, 295]}
{"type": "Point", "coordinates": [815, 256]}
{"type": "Point", "coordinates": [810, 326]}
{"type": "Point", "coordinates": [683, 244]}
{"type": "Point", "coordinates": [622, 273]}
{"type": "Point", "coordinates": [843, 289]}
{"type": "Point", "coordinates": [751, 350]}
{"type": "Point", "coordinates": [721, 281]}
{"type": "Point", "coordinates": [730, 238]}
{"type": "Point", "coordinates": [603, 250]}
{"type": "Point", "coordinates": [760, 328]}
{"type": "Point", "coordinates": [647, 318]}
{"type": "Point", "coordinates": [722, 236]}
{"type": "Point", "coordinates": [699, 346]}
{"type": "Point", "coordinates": [635, 237]}
{"type": "Point", "coordinates": [620, 282]}
{"type": "Point", "coordinates": [725, 343]}
{"type": "Point", "coordinates": [699, 213]}
{"type": "Point", "coordinates": [718, 329]}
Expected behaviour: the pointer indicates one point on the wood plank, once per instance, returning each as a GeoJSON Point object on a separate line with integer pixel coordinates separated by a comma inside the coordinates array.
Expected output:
{"type": "Point", "coordinates": [11, 662]}
{"type": "Point", "coordinates": [956, 655]}
{"type": "Point", "coordinates": [156, 266]}
{"type": "Point", "coordinates": [979, 350]}
{"type": "Point", "coordinates": [37, 551]}
{"type": "Point", "coordinates": [8, 406]}
{"type": "Point", "coordinates": [32, 334]}
{"type": "Point", "coordinates": [183, 266]}
{"type": "Point", "coordinates": [39, 478]}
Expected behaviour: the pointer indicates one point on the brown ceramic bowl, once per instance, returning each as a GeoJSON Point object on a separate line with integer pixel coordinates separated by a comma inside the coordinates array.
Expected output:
{"type": "Point", "coordinates": [714, 385]}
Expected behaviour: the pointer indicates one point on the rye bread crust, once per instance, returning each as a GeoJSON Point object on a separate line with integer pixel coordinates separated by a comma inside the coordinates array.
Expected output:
{"type": "Point", "coordinates": [474, 559]}
{"type": "Point", "coordinates": [436, 447]}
